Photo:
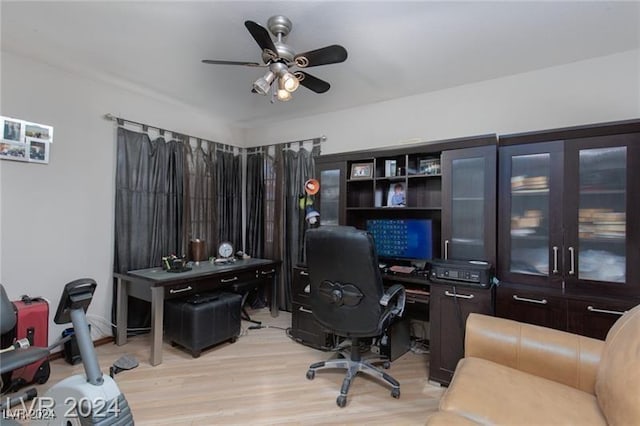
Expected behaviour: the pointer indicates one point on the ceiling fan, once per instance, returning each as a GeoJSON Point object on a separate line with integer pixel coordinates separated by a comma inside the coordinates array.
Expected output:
{"type": "Point", "coordinates": [280, 58]}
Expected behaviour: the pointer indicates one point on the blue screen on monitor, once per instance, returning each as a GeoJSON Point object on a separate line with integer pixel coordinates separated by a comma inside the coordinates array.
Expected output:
{"type": "Point", "coordinates": [402, 238]}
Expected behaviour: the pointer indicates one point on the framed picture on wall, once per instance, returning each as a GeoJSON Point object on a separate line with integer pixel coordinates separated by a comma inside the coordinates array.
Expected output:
{"type": "Point", "coordinates": [38, 151]}
{"type": "Point", "coordinates": [13, 151]}
{"type": "Point", "coordinates": [38, 132]}
{"type": "Point", "coordinates": [361, 171]}
{"type": "Point", "coordinates": [12, 130]}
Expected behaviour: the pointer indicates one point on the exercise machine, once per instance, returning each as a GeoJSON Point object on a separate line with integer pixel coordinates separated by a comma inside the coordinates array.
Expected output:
{"type": "Point", "coordinates": [83, 399]}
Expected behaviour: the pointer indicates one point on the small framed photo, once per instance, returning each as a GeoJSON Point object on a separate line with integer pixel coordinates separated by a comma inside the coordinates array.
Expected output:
{"type": "Point", "coordinates": [13, 151]}
{"type": "Point", "coordinates": [12, 130]}
{"type": "Point", "coordinates": [38, 132]}
{"type": "Point", "coordinates": [429, 166]}
{"type": "Point", "coordinates": [38, 151]}
{"type": "Point", "coordinates": [397, 196]}
{"type": "Point", "coordinates": [361, 170]}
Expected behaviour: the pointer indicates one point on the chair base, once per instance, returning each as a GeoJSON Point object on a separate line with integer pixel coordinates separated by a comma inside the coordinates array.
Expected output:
{"type": "Point", "coordinates": [353, 363]}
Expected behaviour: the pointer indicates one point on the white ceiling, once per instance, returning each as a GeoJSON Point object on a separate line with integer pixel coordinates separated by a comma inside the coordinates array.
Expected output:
{"type": "Point", "coordinates": [395, 48]}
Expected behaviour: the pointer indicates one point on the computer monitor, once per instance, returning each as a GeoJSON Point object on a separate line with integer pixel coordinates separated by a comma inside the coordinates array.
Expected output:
{"type": "Point", "coordinates": [403, 239]}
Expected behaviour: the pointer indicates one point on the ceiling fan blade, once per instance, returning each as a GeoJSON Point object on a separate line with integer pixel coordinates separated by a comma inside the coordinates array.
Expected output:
{"type": "Point", "coordinates": [326, 55]}
{"type": "Point", "coordinates": [247, 64]}
{"type": "Point", "coordinates": [311, 82]}
{"type": "Point", "coordinates": [262, 37]}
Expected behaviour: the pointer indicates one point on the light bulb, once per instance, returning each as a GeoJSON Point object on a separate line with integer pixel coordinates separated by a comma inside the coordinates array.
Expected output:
{"type": "Point", "coordinates": [283, 95]}
{"type": "Point", "coordinates": [290, 82]}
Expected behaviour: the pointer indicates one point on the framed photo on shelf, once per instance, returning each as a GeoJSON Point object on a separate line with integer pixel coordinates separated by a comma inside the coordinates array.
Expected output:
{"type": "Point", "coordinates": [429, 166]}
{"type": "Point", "coordinates": [361, 171]}
{"type": "Point", "coordinates": [397, 196]}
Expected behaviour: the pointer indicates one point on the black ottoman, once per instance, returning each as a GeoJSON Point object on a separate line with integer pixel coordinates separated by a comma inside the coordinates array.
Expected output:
{"type": "Point", "coordinates": [203, 320]}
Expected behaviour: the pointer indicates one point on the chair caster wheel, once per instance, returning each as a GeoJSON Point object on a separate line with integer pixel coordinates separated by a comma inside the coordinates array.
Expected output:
{"type": "Point", "coordinates": [341, 401]}
{"type": "Point", "coordinates": [311, 374]}
{"type": "Point", "coordinates": [234, 339]}
{"type": "Point", "coordinates": [386, 365]}
{"type": "Point", "coordinates": [395, 393]}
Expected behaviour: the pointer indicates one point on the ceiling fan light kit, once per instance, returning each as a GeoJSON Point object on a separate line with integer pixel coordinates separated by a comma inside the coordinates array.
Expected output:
{"type": "Point", "coordinates": [279, 57]}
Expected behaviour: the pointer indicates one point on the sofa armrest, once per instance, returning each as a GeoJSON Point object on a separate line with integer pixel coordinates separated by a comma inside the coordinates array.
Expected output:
{"type": "Point", "coordinates": [556, 355]}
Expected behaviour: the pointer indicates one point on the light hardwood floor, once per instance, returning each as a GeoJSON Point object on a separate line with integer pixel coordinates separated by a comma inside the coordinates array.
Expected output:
{"type": "Point", "coordinates": [260, 379]}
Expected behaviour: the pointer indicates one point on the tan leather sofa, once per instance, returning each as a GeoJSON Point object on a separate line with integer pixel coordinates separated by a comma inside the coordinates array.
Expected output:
{"type": "Point", "coordinates": [516, 374]}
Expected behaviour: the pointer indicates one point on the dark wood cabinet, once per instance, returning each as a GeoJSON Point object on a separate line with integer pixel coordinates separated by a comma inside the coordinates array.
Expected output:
{"type": "Point", "coordinates": [449, 308]}
{"type": "Point", "coordinates": [594, 317]}
{"type": "Point", "coordinates": [304, 328]}
{"type": "Point", "coordinates": [538, 306]}
{"type": "Point", "coordinates": [567, 226]}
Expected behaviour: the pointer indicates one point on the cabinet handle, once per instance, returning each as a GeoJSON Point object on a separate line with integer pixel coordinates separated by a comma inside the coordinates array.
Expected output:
{"type": "Point", "coordinates": [229, 280]}
{"type": "Point", "coordinates": [605, 311]}
{"type": "Point", "coordinates": [446, 249]}
{"type": "Point", "coordinates": [180, 290]}
{"type": "Point", "coordinates": [304, 273]}
{"type": "Point", "coordinates": [572, 263]}
{"type": "Point", "coordinates": [525, 299]}
{"type": "Point", "coordinates": [462, 296]}
{"type": "Point", "coordinates": [555, 259]}
{"type": "Point", "coordinates": [268, 272]}
{"type": "Point", "coordinates": [308, 311]}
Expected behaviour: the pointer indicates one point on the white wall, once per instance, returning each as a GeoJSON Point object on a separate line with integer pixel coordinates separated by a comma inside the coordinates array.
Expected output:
{"type": "Point", "coordinates": [57, 219]}
{"type": "Point", "coordinates": [595, 90]}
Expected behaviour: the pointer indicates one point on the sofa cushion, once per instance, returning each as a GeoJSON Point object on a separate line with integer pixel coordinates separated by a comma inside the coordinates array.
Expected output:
{"type": "Point", "coordinates": [618, 381]}
{"type": "Point", "coordinates": [489, 393]}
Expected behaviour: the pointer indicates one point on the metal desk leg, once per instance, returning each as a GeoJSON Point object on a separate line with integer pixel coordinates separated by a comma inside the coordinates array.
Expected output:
{"type": "Point", "coordinates": [122, 305]}
{"type": "Point", "coordinates": [274, 295]}
{"type": "Point", "coordinates": [157, 313]}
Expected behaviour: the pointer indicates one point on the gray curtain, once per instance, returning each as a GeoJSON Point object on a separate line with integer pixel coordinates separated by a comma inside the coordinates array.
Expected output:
{"type": "Point", "coordinates": [228, 187]}
{"type": "Point", "coordinates": [255, 204]}
{"type": "Point", "coordinates": [200, 208]}
{"type": "Point", "coordinates": [297, 167]}
{"type": "Point", "coordinates": [148, 206]}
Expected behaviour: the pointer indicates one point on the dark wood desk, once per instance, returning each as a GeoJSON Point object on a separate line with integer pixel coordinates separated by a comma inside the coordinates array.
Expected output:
{"type": "Point", "coordinates": [155, 285]}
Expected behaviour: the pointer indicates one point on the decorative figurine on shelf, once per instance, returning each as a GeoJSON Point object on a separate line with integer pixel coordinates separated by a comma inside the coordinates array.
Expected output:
{"type": "Point", "coordinates": [312, 216]}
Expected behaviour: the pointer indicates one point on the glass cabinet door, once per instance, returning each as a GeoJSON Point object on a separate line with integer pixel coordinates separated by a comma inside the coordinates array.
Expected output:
{"type": "Point", "coordinates": [602, 220]}
{"type": "Point", "coordinates": [529, 229]}
{"type": "Point", "coordinates": [467, 209]}
{"type": "Point", "coordinates": [331, 194]}
{"type": "Point", "coordinates": [468, 202]}
{"type": "Point", "coordinates": [531, 213]}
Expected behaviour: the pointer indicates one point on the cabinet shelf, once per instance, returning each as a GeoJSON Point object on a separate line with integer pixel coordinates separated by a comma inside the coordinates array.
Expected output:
{"type": "Point", "coordinates": [386, 209]}
{"type": "Point", "coordinates": [603, 192]}
{"type": "Point", "coordinates": [390, 178]}
{"type": "Point", "coordinates": [468, 199]}
{"type": "Point", "coordinates": [603, 240]}
{"type": "Point", "coordinates": [424, 176]}
{"type": "Point", "coordinates": [528, 192]}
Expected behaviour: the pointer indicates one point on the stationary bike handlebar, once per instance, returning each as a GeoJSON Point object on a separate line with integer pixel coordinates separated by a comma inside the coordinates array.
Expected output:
{"type": "Point", "coordinates": [73, 305]}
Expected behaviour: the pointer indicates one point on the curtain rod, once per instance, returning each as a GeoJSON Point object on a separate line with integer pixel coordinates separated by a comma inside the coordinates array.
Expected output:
{"type": "Point", "coordinates": [146, 127]}
{"type": "Point", "coordinates": [318, 139]}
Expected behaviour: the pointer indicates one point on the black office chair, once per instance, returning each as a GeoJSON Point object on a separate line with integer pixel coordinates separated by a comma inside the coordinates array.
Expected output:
{"type": "Point", "coordinates": [348, 298]}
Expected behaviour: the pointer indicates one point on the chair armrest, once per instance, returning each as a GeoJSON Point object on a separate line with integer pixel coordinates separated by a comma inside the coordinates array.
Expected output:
{"type": "Point", "coordinates": [394, 292]}
{"type": "Point", "coordinates": [556, 355]}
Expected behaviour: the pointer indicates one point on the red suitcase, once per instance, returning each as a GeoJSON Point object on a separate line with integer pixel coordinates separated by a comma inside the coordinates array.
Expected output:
{"type": "Point", "coordinates": [32, 317]}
